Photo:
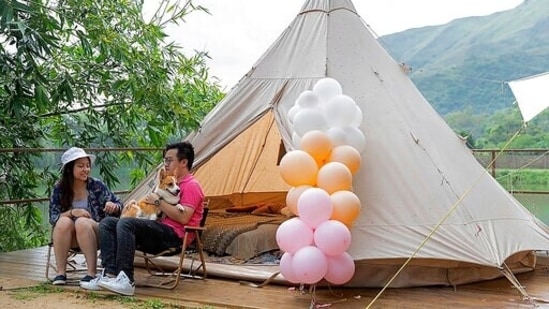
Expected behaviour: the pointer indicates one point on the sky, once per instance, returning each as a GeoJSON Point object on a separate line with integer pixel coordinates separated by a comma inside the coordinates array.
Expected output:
{"type": "Point", "coordinates": [238, 32]}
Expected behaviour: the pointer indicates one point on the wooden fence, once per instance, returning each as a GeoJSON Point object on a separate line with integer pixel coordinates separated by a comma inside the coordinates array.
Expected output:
{"type": "Point", "coordinates": [514, 159]}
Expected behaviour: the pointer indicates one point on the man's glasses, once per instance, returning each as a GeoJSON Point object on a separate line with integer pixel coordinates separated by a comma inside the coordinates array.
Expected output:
{"type": "Point", "coordinates": [167, 161]}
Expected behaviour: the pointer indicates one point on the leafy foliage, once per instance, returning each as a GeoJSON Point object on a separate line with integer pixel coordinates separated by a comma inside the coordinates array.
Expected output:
{"type": "Point", "coordinates": [93, 73]}
{"type": "Point", "coordinates": [16, 233]}
{"type": "Point", "coordinates": [497, 129]}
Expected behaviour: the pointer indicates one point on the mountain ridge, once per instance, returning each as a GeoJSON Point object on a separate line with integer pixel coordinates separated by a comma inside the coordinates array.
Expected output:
{"type": "Point", "coordinates": [467, 62]}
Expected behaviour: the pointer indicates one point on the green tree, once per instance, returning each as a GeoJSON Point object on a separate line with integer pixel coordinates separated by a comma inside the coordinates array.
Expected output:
{"type": "Point", "coordinates": [91, 73]}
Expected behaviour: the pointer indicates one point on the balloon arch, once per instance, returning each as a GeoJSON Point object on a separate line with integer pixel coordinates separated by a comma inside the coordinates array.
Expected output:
{"type": "Point", "coordinates": [327, 142]}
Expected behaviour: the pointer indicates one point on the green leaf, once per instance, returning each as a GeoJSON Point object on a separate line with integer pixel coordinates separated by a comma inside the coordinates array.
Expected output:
{"type": "Point", "coordinates": [41, 98]}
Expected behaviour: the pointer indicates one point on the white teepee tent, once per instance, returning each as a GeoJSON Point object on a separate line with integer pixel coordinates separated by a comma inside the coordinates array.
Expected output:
{"type": "Point", "coordinates": [416, 173]}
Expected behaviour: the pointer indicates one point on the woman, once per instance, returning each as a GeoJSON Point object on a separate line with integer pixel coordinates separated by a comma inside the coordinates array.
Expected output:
{"type": "Point", "coordinates": [77, 204]}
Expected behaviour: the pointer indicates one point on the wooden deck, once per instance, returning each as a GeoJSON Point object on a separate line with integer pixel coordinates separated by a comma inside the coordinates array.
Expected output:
{"type": "Point", "coordinates": [27, 268]}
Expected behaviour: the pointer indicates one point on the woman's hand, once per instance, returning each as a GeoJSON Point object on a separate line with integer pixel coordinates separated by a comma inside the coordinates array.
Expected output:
{"type": "Point", "coordinates": [79, 212]}
{"type": "Point", "coordinates": [110, 208]}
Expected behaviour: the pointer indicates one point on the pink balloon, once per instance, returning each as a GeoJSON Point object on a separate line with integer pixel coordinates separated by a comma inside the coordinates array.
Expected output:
{"type": "Point", "coordinates": [314, 206]}
{"type": "Point", "coordinates": [332, 237]}
{"type": "Point", "coordinates": [309, 265]}
{"type": "Point", "coordinates": [341, 268]}
{"type": "Point", "coordinates": [286, 268]}
{"type": "Point", "coordinates": [293, 234]}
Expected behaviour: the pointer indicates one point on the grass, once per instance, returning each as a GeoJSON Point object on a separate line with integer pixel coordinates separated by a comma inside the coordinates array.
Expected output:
{"type": "Point", "coordinates": [524, 179]}
{"type": "Point", "coordinates": [36, 291]}
{"type": "Point", "coordinates": [528, 180]}
{"type": "Point", "coordinates": [29, 293]}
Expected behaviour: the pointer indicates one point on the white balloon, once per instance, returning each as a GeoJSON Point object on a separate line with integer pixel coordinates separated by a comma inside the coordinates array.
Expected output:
{"type": "Point", "coordinates": [337, 136]}
{"type": "Point", "coordinates": [307, 99]}
{"type": "Point", "coordinates": [327, 88]}
{"type": "Point", "coordinates": [291, 113]}
{"type": "Point", "coordinates": [308, 119]}
{"type": "Point", "coordinates": [296, 141]}
{"type": "Point", "coordinates": [355, 138]}
{"type": "Point", "coordinates": [340, 110]}
{"type": "Point", "coordinates": [357, 121]}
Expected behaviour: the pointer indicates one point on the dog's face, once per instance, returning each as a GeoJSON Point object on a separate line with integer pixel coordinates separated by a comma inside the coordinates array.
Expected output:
{"type": "Point", "coordinates": [168, 182]}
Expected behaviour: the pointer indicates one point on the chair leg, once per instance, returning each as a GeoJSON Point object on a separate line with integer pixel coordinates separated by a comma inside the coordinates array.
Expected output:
{"type": "Point", "coordinates": [49, 264]}
{"type": "Point", "coordinates": [193, 272]}
{"type": "Point", "coordinates": [72, 266]}
{"type": "Point", "coordinates": [70, 263]}
{"type": "Point", "coordinates": [173, 278]}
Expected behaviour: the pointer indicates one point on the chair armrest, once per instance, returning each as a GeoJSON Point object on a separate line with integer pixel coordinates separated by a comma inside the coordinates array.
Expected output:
{"type": "Point", "coordinates": [193, 228]}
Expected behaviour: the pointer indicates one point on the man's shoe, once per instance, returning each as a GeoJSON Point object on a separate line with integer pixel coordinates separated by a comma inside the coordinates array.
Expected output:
{"type": "Point", "coordinates": [59, 280]}
{"type": "Point", "coordinates": [91, 283]}
{"type": "Point", "coordinates": [121, 285]}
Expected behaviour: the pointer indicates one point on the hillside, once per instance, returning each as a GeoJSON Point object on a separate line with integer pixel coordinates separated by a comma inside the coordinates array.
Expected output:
{"type": "Point", "coordinates": [464, 64]}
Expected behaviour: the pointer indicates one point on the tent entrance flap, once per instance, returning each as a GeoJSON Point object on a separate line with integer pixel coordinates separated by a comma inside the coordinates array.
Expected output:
{"type": "Point", "coordinates": [245, 171]}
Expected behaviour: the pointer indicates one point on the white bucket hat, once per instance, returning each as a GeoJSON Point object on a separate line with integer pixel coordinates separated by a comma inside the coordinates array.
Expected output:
{"type": "Point", "coordinates": [75, 153]}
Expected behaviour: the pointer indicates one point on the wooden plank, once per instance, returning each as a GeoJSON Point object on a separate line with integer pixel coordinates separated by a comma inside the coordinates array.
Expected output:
{"type": "Point", "coordinates": [28, 266]}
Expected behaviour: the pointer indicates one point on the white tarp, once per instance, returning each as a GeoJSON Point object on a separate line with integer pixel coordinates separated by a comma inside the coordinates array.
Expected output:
{"type": "Point", "coordinates": [532, 94]}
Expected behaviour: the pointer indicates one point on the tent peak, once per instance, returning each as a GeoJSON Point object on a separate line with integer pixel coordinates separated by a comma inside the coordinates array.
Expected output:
{"type": "Point", "coordinates": [327, 6]}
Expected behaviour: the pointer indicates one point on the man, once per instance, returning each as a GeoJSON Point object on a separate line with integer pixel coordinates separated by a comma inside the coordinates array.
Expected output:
{"type": "Point", "coordinates": [120, 237]}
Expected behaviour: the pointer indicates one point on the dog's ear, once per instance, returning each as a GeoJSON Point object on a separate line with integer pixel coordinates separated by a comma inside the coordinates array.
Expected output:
{"type": "Point", "coordinates": [161, 173]}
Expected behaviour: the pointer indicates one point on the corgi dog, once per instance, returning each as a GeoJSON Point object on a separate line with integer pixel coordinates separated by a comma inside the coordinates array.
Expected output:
{"type": "Point", "coordinates": [167, 190]}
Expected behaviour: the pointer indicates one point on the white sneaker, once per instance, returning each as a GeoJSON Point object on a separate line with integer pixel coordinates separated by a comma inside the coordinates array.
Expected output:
{"type": "Point", "coordinates": [121, 284]}
{"type": "Point", "coordinates": [93, 285]}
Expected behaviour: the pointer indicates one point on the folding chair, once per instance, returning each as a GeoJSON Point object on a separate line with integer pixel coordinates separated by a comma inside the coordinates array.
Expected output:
{"type": "Point", "coordinates": [72, 263]}
{"type": "Point", "coordinates": [172, 278]}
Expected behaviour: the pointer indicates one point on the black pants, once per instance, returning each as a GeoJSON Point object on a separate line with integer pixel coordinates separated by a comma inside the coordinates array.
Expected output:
{"type": "Point", "coordinates": [120, 237]}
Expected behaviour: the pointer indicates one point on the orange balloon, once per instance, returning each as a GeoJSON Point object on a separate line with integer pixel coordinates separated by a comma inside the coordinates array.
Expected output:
{"type": "Point", "coordinates": [334, 176]}
{"type": "Point", "coordinates": [317, 144]}
{"type": "Point", "coordinates": [292, 197]}
{"type": "Point", "coordinates": [346, 207]}
{"type": "Point", "coordinates": [347, 155]}
{"type": "Point", "coordinates": [298, 168]}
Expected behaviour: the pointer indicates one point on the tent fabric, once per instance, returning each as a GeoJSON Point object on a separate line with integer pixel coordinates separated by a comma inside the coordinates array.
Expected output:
{"type": "Point", "coordinates": [241, 173]}
{"type": "Point", "coordinates": [416, 173]}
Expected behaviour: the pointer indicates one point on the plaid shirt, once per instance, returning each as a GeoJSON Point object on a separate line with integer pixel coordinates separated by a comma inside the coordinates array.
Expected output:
{"type": "Point", "coordinates": [98, 196]}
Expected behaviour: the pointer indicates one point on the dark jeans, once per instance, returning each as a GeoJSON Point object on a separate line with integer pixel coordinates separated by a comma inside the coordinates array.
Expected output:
{"type": "Point", "coordinates": [120, 237]}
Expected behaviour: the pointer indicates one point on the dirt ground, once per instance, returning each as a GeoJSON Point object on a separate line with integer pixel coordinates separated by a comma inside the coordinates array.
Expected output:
{"type": "Point", "coordinates": [59, 299]}
{"type": "Point", "coordinates": [21, 293]}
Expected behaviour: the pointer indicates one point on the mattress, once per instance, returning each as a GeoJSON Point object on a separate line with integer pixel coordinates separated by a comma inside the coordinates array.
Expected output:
{"type": "Point", "coordinates": [241, 235]}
